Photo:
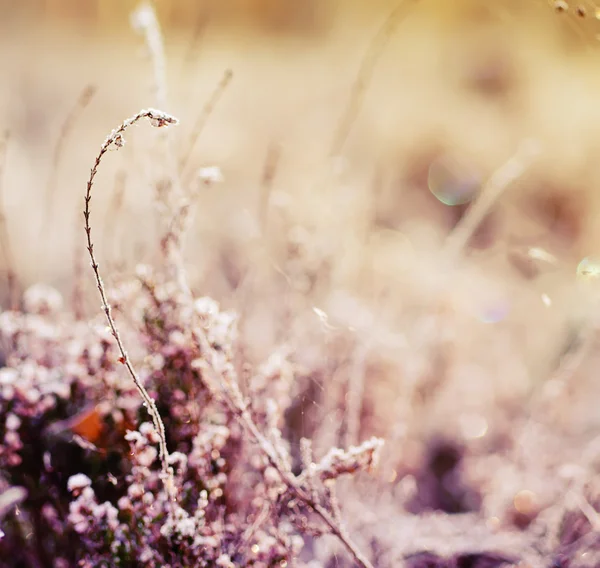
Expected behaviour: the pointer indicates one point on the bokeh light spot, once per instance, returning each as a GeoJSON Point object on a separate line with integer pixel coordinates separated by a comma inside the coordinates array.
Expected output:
{"type": "Point", "coordinates": [588, 268]}
{"type": "Point", "coordinates": [452, 182]}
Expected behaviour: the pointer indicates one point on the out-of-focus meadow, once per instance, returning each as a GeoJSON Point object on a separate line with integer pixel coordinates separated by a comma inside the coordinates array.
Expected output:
{"type": "Point", "coordinates": [336, 229]}
{"type": "Point", "coordinates": [451, 94]}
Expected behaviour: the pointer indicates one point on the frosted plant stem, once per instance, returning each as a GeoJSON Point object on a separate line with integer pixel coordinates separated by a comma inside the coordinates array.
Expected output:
{"type": "Point", "coordinates": [158, 119]}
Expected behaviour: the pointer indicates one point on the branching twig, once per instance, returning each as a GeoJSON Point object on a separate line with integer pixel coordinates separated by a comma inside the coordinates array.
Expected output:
{"type": "Point", "coordinates": [221, 380]}
{"type": "Point", "coordinates": [158, 119]}
{"type": "Point", "coordinates": [226, 382]}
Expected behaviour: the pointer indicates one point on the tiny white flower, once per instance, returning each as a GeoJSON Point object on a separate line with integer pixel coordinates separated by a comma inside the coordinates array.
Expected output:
{"type": "Point", "coordinates": [78, 481]}
{"type": "Point", "coordinates": [210, 175]}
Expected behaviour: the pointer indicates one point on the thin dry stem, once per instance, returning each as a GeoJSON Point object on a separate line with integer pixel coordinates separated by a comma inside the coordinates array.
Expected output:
{"type": "Point", "coordinates": [356, 387]}
{"type": "Point", "coordinates": [172, 242]}
{"type": "Point", "coordinates": [365, 74]}
{"type": "Point", "coordinates": [193, 49]}
{"type": "Point", "coordinates": [115, 206]}
{"type": "Point", "coordinates": [84, 99]}
{"type": "Point", "coordinates": [268, 175]}
{"type": "Point", "coordinates": [202, 119]}
{"type": "Point", "coordinates": [144, 20]}
{"type": "Point", "coordinates": [568, 366]}
{"type": "Point", "coordinates": [11, 274]}
{"type": "Point", "coordinates": [158, 119]}
{"type": "Point", "coordinates": [498, 182]}
{"type": "Point", "coordinates": [173, 199]}
{"type": "Point", "coordinates": [589, 512]}
{"type": "Point", "coordinates": [78, 282]}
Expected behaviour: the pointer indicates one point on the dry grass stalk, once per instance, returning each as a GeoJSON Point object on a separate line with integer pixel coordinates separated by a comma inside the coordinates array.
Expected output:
{"type": "Point", "coordinates": [172, 242]}
{"type": "Point", "coordinates": [11, 275]}
{"type": "Point", "coordinates": [193, 49]}
{"type": "Point", "coordinates": [586, 508]}
{"type": "Point", "coordinates": [173, 199]}
{"type": "Point", "coordinates": [355, 393]}
{"type": "Point", "coordinates": [568, 365]}
{"type": "Point", "coordinates": [365, 74]}
{"type": "Point", "coordinates": [496, 185]}
{"type": "Point", "coordinates": [201, 121]}
{"type": "Point", "coordinates": [115, 139]}
{"type": "Point", "coordinates": [83, 101]}
{"type": "Point", "coordinates": [268, 175]}
{"type": "Point", "coordinates": [78, 282]}
{"type": "Point", "coordinates": [144, 21]}
{"type": "Point", "coordinates": [115, 206]}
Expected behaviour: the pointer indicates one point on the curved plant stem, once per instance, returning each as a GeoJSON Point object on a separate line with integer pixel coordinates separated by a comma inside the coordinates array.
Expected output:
{"type": "Point", "coordinates": [157, 119]}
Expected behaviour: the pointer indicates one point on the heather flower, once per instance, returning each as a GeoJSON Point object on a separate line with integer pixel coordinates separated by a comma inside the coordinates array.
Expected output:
{"type": "Point", "coordinates": [78, 482]}
{"type": "Point", "coordinates": [210, 175]}
{"type": "Point", "coordinates": [42, 299]}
